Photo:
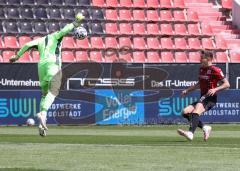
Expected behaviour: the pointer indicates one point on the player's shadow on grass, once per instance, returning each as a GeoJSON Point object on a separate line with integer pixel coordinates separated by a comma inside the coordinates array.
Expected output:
{"type": "Point", "coordinates": [25, 169]}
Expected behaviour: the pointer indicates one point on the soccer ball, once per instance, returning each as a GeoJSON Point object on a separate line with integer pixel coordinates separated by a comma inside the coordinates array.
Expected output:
{"type": "Point", "coordinates": [80, 33]}
{"type": "Point", "coordinates": [30, 122]}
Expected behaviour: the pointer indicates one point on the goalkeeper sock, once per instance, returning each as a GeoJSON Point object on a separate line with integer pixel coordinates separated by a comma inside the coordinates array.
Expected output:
{"type": "Point", "coordinates": [49, 99]}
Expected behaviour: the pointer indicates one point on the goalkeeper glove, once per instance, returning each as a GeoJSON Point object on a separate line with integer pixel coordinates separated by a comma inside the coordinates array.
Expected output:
{"type": "Point", "coordinates": [78, 19]}
{"type": "Point", "coordinates": [13, 59]}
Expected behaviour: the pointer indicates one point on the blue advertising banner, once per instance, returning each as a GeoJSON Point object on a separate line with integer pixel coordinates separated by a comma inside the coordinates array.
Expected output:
{"type": "Point", "coordinates": [73, 107]}
{"type": "Point", "coordinates": [17, 106]}
{"type": "Point", "coordinates": [168, 110]}
{"type": "Point", "coordinates": [119, 107]}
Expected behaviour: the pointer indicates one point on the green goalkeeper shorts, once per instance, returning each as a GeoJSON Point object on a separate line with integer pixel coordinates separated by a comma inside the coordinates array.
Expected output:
{"type": "Point", "coordinates": [50, 76]}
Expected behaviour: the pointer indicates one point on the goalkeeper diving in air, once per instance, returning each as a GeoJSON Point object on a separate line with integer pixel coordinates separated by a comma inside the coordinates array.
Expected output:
{"type": "Point", "coordinates": [49, 66]}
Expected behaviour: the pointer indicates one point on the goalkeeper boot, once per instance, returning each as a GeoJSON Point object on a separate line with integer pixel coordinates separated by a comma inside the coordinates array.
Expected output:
{"type": "Point", "coordinates": [42, 120]}
{"type": "Point", "coordinates": [42, 131]}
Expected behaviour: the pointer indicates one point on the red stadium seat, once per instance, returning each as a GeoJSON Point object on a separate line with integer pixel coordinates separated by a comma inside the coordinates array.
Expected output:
{"type": "Point", "coordinates": [227, 4]}
{"type": "Point", "coordinates": [125, 14]}
{"type": "Point", "coordinates": [152, 15]}
{"type": "Point", "coordinates": [96, 56]}
{"type": "Point", "coordinates": [97, 43]}
{"type": "Point", "coordinates": [1, 59]}
{"type": "Point", "coordinates": [166, 15]}
{"type": "Point", "coordinates": [193, 29]}
{"type": "Point", "coordinates": [125, 42]}
{"type": "Point", "coordinates": [82, 56]}
{"type": "Point", "coordinates": [111, 42]}
{"type": "Point", "coordinates": [221, 57]}
{"type": "Point", "coordinates": [99, 3]}
{"type": "Point", "coordinates": [7, 55]}
{"type": "Point", "coordinates": [111, 58]}
{"type": "Point", "coordinates": [139, 56]}
{"type": "Point", "coordinates": [207, 43]}
{"type": "Point", "coordinates": [165, 3]}
{"type": "Point", "coordinates": [194, 57]}
{"type": "Point", "coordinates": [139, 3]}
{"type": "Point", "coordinates": [139, 43]}
{"type": "Point", "coordinates": [139, 15]}
{"type": "Point", "coordinates": [194, 43]}
{"type": "Point", "coordinates": [167, 43]}
{"type": "Point", "coordinates": [180, 43]}
{"type": "Point", "coordinates": [153, 43]}
{"type": "Point", "coordinates": [68, 43]}
{"type": "Point", "coordinates": [25, 57]}
{"type": "Point", "coordinates": [36, 37]}
{"type": "Point", "coordinates": [68, 56]}
{"type": "Point", "coordinates": [125, 28]}
{"type": "Point", "coordinates": [152, 3]}
{"type": "Point", "coordinates": [181, 57]}
{"type": "Point", "coordinates": [192, 16]}
{"type": "Point", "coordinates": [207, 30]}
{"type": "Point", "coordinates": [221, 43]}
{"type": "Point", "coordinates": [235, 56]}
{"type": "Point", "coordinates": [153, 57]}
{"type": "Point", "coordinates": [180, 29]}
{"type": "Point", "coordinates": [153, 29]}
{"type": "Point", "coordinates": [111, 28]}
{"type": "Point", "coordinates": [125, 3]}
{"type": "Point", "coordinates": [23, 40]}
{"type": "Point", "coordinates": [179, 15]}
{"type": "Point", "coordinates": [111, 14]}
{"type": "Point", "coordinates": [35, 56]}
{"type": "Point", "coordinates": [139, 28]}
{"type": "Point", "coordinates": [112, 3]}
{"type": "Point", "coordinates": [84, 44]}
{"type": "Point", "coordinates": [167, 57]}
{"type": "Point", "coordinates": [166, 29]}
{"type": "Point", "coordinates": [178, 4]}
{"type": "Point", "coordinates": [1, 44]}
{"type": "Point", "coordinates": [126, 57]}
{"type": "Point", "coordinates": [10, 42]}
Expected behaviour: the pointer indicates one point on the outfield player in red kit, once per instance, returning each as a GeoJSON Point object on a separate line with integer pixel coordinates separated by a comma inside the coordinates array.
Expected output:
{"type": "Point", "coordinates": [209, 77]}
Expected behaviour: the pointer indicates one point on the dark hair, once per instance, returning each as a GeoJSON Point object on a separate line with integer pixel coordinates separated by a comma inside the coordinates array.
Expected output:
{"type": "Point", "coordinates": [207, 54]}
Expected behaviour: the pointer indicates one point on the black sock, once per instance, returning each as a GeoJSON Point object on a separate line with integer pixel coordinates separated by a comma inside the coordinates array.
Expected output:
{"type": "Point", "coordinates": [200, 124]}
{"type": "Point", "coordinates": [186, 116]}
{"type": "Point", "coordinates": [194, 121]}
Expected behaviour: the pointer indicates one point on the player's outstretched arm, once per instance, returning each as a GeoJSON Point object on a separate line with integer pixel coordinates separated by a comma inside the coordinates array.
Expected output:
{"type": "Point", "coordinates": [25, 47]}
{"type": "Point", "coordinates": [225, 84]}
{"type": "Point", "coordinates": [194, 87]}
{"type": "Point", "coordinates": [69, 27]}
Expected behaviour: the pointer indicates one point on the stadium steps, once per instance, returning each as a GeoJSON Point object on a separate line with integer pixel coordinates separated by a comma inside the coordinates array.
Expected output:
{"type": "Point", "coordinates": [138, 29]}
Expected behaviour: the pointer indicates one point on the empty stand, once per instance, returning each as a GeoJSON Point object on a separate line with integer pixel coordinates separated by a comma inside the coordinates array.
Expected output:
{"type": "Point", "coordinates": [82, 56]}
{"type": "Point", "coordinates": [68, 56]}
{"type": "Point", "coordinates": [96, 56]}
{"type": "Point", "coordinates": [153, 56]}
{"type": "Point", "coordinates": [10, 42]}
{"type": "Point", "coordinates": [181, 57]}
{"type": "Point", "coordinates": [167, 56]}
{"type": "Point", "coordinates": [139, 57]}
{"type": "Point", "coordinates": [7, 55]}
{"type": "Point", "coordinates": [178, 29]}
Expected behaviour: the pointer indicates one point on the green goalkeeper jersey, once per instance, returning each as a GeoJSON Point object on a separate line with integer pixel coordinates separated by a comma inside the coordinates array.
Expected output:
{"type": "Point", "coordinates": [49, 46]}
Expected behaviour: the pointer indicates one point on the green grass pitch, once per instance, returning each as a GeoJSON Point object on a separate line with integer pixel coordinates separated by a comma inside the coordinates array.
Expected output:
{"type": "Point", "coordinates": [118, 148]}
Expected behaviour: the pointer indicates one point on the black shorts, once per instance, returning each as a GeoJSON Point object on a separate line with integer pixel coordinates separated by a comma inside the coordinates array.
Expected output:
{"type": "Point", "coordinates": [208, 102]}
